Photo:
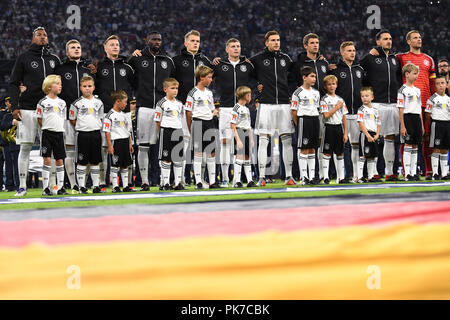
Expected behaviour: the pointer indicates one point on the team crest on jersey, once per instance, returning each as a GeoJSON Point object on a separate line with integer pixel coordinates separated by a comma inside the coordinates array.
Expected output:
{"type": "Point", "coordinates": [123, 72]}
{"type": "Point", "coordinates": [378, 61]}
{"type": "Point", "coordinates": [437, 142]}
{"type": "Point", "coordinates": [105, 72]}
{"type": "Point", "coordinates": [394, 62]}
{"type": "Point", "coordinates": [343, 75]}
{"type": "Point", "coordinates": [225, 68]}
{"type": "Point", "coordinates": [324, 69]}
{"type": "Point", "coordinates": [85, 75]}
{"type": "Point", "coordinates": [185, 63]}
{"type": "Point", "coordinates": [164, 64]}
{"type": "Point", "coordinates": [34, 64]}
{"type": "Point", "coordinates": [358, 73]}
{"type": "Point", "coordinates": [426, 62]}
{"type": "Point", "coordinates": [68, 76]}
{"type": "Point", "coordinates": [266, 62]}
{"type": "Point", "coordinates": [144, 63]}
{"type": "Point", "coordinates": [283, 62]}
{"type": "Point", "coordinates": [243, 68]}
{"type": "Point", "coordinates": [52, 64]}
{"type": "Point", "coordinates": [200, 63]}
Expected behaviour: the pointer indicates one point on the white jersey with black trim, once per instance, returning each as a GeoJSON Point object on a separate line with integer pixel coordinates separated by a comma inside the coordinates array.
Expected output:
{"type": "Point", "coordinates": [439, 107]}
{"type": "Point", "coordinates": [370, 117]}
{"type": "Point", "coordinates": [169, 113]}
{"type": "Point", "coordinates": [88, 113]}
{"type": "Point", "coordinates": [240, 116]}
{"type": "Point", "coordinates": [328, 103]}
{"type": "Point", "coordinates": [200, 103]}
{"type": "Point", "coordinates": [117, 124]}
{"type": "Point", "coordinates": [53, 113]}
{"type": "Point", "coordinates": [306, 102]}
{"type": "Point", "coordinates": [409, 99]}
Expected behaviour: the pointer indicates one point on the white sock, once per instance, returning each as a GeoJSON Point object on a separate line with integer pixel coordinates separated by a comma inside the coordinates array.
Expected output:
{"type": "Point", "coordinates": [53, 175]}
{"type": "Point", "coordinates": [204, 161]}
{"type": "Point", "coordinates": [376, 170]}
{"type": "Point", "coordinates": [24, 162]}
{"type": "Point", "coordinates": [389, 156]}
{"type": "Point", "coordinates": [177, 171]}
{"type": "Point", "coordinates": [321, 173]}
{"type": "Point", "coordinates": [444, 165]}
{"type": "Point", "coordinates": [435, 162]}
{"type": "Point", "coordinates": [211, 162]}
{"type": "Point", "coordinates": [69, 163]}
{"type": "Point", "coordinates": [262, 155]}
{"type": "Point", "coordinates": [165, 172]}
{"type": "Point", "coordinates": [143, 163]}
{"type": "Point", "coordinates": [95, 175]}
{"type": "Point", "coordinates": [312, 165]}
{"type": "Point", "coordinates": [225, 160]}
{"type": "Point", "coordinates": [340, 167]}
{"type": "Point", "coordinates": [183, 165]}
{"type": "Point", "coordinates": [81, 175]}
{"type": "Point", "coordinates": [414, 153]}
{"type": "Point", "coordinates": [325, 164]}
{"type": "Point", "coordinates": [103, 165]}
{"type": "Point", "coordinates": [124, 175]}
{"type": "Point", "coordinates": [371, 164]}
{"type": "Point", "coordinates": [45, 176]}
{"type": "Point", "coordinates": [303, 164]}
{"type": "Point", "coordinates": [60, 176]}
{"type": "Point", "coordinates": [288, 155]}
{"type": "Point", "coordinates": [114, 173]}
{"type": "Point", "coordinates": [361, 167]}
{"type": "Point", "coordinates": [355, 160]}
{"type": "Point", "coordinates": [130, 175]}
{"type": "Point", "coordinates": [407, 160]}
{"type": "Point", "coordinates": [198, 169]}
{"type": "Point", "coordinates": [237, 170]}
{"type": "Point", "coordinates": [248, 170]}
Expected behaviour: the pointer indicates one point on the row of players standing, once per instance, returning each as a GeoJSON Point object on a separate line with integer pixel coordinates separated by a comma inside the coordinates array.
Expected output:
{"type": "Point", "coordinates": [274, 72]}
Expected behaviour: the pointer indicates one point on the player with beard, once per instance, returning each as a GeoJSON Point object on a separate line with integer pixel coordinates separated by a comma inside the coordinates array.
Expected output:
{"type": "Point", "coordinates": [30, 70]}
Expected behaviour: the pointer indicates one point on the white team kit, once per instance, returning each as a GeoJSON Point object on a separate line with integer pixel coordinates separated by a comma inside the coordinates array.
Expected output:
{"type": "Point", "coordinates": [169, 113]}
{"type": "Point", "coordinates": [88, 113]}
{"type": "Point", "coordinates": [117, 124]}
{"type": "Point", "coordinates": [370, 118]}
{"type": "Point", "coordinates": [53, 114]}
{"type": "Point", "coordinates": [200, 103]}
{"type": "Point", "coordinates": [328, 103]}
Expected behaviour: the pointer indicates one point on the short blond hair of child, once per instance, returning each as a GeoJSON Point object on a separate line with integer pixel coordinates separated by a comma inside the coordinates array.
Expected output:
{"type": "Point", "coordinates": [118, 95]}
{"type": "Point", "coordinates": [329, 78]}
{"type": "Point", "coordinates": [170, 82]}
{"type": "Point", "coordinates": [366, 89]}
{"type": "Point", "coordinates": [49, 81]}
{"type": "Point", "coordinates": [409, 67]}
{"type": "Point", "coordinates": [242, 91]}
{"type": "Point", "coordinates": [87, 78]}
{"type": "Point", "coordinates": [202, 71]}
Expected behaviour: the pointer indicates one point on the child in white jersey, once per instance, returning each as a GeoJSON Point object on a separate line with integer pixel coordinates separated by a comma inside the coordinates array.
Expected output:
{"type": "Point", "coordinates": [51, 116]}
{"type": "Point", "coordinates": [117, 131]}
{"type": "Point", "coordinates": [242, 131]}
{"type": "Point", "coordinates": [438, 110]}
{"type": "Point", "coordinates": [369, 126]}
{"type": "Point", "coordinates": [168, 119]}
{"type": "Point", "coordinates": [86, 115]}
{"type": "Point", "coordinates": [411, 122]}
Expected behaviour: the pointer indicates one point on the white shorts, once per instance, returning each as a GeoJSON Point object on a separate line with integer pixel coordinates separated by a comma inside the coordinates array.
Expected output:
{"type": "Point", "coordinates": [225, 131]}
{"type": "Point", "coordinates": [146, 127]}
{"type": "Point", "coordinates": [27, 128]}
{"type": "Point", "coordinates": [389, 117]}
{"type": "Point", "coordinates": [352, 128]}
{"type": "Point", "coordinates": [69, 134]}
{"type": "Point", "coordinates": [272, 117]}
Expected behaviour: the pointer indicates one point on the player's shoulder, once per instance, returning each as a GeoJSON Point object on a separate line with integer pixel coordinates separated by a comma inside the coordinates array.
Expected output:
{"type": "Point", "coordinates": [77, 100]}
{"type": "Point", "coordinates": [325, 97]}
{"type": "Point", "coordinates": [110, 113]}
{"type": "Point", "coordinates": [340, 98]}
{"type": "Point", "coordinates": [42, 100]}
{"type": "Point", "coordinates": [192, 91]}
{"type": "Point", "coordinates": [362, 109]}
{"type": "Point", "coordinates": [236, 107]}
{"type": "Point", "coordinates": [298, 91]}
{"type": "Point", "coordinates": [315, 91]}
{"type": "Point", "coordinates": [285, 55]}
{"type": "Point", "coordinates": [402, 89]}
{"type": "Point", "coordinates": [161, 102]}
{"type": "Point", "coordinates": [433, 97]}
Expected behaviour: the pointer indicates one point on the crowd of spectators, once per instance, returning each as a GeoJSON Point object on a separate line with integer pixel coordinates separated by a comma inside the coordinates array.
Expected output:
{"type": "Point", "coordinates": [333, 21]}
